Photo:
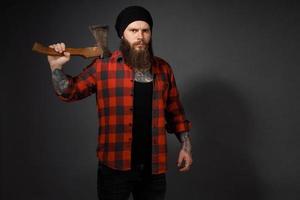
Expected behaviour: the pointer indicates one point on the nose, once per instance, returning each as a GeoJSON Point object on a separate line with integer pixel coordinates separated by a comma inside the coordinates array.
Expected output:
{"type": "Point", "coordinates": [140, 35]}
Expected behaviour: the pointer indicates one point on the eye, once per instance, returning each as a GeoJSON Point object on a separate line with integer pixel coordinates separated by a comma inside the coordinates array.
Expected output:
{"type": "Point", "coordinates": [133, 30]}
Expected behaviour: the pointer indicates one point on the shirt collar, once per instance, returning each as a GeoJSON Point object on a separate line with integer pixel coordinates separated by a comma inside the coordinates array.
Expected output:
{"type": "Point", "coordinates": [117, 55]}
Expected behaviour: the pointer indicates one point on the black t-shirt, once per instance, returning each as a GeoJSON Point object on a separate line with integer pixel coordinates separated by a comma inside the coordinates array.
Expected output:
{"type": "Point", "coordinates": [142, 124]}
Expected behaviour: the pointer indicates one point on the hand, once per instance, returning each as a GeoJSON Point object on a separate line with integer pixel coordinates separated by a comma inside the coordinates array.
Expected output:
{"type": "Point", "coordinates": [56, 62]}
{"type": "Point", "coordinates": [184, 160]}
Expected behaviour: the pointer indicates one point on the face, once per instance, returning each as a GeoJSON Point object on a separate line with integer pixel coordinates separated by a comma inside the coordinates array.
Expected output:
{"type": "Point", "coordinates": [138, 34]}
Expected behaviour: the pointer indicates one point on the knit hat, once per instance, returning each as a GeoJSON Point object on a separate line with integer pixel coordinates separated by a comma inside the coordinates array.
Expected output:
{"type": "Point", "coordinates": [131, 14]}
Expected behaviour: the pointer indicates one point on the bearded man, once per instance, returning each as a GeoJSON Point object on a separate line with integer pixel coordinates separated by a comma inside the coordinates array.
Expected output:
{"type": "Point", "coordinates": [138, 103]}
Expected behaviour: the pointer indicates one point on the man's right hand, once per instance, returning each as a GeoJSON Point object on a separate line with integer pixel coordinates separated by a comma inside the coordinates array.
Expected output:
{"type": "Point", "coordinates": [57, 62]}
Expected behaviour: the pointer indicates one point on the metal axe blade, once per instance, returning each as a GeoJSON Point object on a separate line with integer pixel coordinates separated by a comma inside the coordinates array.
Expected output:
{"type": "Point", "coordinates": [100, 34]}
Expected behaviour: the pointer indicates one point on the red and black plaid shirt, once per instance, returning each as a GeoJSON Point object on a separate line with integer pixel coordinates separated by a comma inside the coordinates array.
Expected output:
{"type": "Point", "coordinates": [113, 82]}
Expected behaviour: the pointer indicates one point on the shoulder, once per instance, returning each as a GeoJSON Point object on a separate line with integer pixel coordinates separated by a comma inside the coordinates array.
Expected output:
{"type": "Point", "coordinates": [101, 62]}
{"type": "Point", "coordinates": [163, 64]}
{"type": "Point", "coordinates": [113, 57]}
{"type": "Point", "coordinates": [160, 61]}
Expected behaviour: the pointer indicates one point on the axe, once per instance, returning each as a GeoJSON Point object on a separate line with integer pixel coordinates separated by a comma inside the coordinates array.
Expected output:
{"type": "Point", "coordinates": [100, 34]}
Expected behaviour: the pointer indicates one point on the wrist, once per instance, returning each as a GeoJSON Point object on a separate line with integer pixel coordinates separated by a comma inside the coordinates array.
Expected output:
{"type": "Point", "coordinates": [182, 136]}
{"type": "Point", "coordinates": [185, 141]}
{"type": "Point", "coordinates": [59, 67]}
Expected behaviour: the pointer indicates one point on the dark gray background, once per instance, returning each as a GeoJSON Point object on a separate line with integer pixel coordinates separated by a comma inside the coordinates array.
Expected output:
{"type": "Point", "coordinates": [236, 64]}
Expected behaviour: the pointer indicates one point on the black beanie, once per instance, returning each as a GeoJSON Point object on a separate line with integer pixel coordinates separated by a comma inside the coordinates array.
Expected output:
{"type": "Point", "coordinates": [131, 14]}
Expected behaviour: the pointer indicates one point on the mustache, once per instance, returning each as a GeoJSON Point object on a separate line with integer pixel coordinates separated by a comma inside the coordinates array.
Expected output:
{"type": "Point", "coordinates": [141, 42]}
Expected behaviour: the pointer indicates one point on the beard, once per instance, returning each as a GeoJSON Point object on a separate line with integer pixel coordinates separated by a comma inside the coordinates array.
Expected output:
{"type": "Point", "coordinates": [138, 59]}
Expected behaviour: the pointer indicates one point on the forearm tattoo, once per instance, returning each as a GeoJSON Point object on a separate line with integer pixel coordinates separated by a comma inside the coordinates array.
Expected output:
{"type": "Point", "coordinates": [185, 140]}
{"type": "Point", "coordinates": [60, 81]}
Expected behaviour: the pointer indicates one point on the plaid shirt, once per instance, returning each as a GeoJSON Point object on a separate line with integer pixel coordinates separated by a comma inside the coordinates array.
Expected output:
{"type": "Point", "coordinates": [113, 82]}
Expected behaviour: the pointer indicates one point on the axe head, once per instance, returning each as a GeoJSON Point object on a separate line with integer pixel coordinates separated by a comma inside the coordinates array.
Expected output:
{"type": "Point", "coordinates": [100, 34]}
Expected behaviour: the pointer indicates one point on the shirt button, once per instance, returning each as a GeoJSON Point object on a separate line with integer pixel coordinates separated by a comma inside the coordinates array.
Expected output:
{"type": "Point", "coordinates": [130, 124]}
{"type": "Point", "coordinates": [131, 109]}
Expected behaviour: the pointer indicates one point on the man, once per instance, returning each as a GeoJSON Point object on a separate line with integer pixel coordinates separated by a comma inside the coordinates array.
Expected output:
{"type": "Point", "coordinates": [138, 102]}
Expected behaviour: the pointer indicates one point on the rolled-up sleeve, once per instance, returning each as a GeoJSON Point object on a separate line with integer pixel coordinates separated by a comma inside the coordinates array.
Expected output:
{"type": "Point", "coordinates": [174, 112]}
{"type": "Point", "coordinates": [80, 86]}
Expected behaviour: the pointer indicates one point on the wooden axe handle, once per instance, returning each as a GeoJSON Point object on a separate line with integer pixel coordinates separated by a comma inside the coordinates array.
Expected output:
{"type": "Point", "coordinates": [87, 52]}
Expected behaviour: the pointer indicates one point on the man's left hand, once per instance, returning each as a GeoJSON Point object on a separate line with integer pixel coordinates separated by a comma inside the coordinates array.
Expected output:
{"type": "Point", "coordinates": [185, 160]}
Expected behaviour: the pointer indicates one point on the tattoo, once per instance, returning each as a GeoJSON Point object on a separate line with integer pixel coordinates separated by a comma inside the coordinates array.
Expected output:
{"type": "Point", "coordinates": [60, 81]}
{"type": "Point", "coordinates": [143, 76]}
{"type": "Point", "coordinates": [185, 140]}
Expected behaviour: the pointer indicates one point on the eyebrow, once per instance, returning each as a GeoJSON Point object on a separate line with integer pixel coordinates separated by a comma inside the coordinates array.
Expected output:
{"type": "Point", "coordinates": [138, 28]}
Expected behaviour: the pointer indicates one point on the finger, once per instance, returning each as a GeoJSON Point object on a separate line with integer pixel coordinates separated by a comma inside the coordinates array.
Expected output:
{"type": "Point", "coordinates": [185, 168]}
{"type": "Point", "coordinates": [63, 46]}
{"type": "Point", "coordinates": [67, 53]}
{"type": "Point", "coordinates": [51, 46]}
{"type": "Point", "coordinates": [59, 47]}
{"type": "Point", "coordinates": [56, 48]}
{"type": "Point", "coordinates": [179, 161]}
{"type": "Point", "coordinates": [188, 158]}
{"type": "Point", "coordinates": [189, 162]}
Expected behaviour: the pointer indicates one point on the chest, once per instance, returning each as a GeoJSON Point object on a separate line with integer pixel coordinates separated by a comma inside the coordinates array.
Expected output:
{"type": "Point", "coordinates": [118, 80]}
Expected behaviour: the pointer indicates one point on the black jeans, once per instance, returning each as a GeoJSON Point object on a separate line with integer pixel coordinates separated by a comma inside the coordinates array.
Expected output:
{"type": "Point", "coordinates": [117, 185]}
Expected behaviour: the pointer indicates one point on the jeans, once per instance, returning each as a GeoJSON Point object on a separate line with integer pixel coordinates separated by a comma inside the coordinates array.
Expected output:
{"type": "Point", "coordinates": [118, 185]}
